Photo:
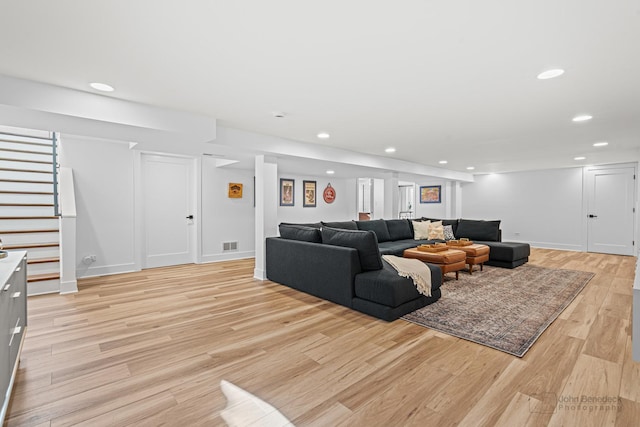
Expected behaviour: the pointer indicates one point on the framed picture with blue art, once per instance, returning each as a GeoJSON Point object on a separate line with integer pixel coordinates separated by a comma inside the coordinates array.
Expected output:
{"type": "Point", "coordinates": [287, 187]}
{"type": "Point", "coordinates": [431, 194]}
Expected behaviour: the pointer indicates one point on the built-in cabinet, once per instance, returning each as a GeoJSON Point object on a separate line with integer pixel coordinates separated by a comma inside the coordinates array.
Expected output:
{"type": "Point", "coordinates": [13, 320]}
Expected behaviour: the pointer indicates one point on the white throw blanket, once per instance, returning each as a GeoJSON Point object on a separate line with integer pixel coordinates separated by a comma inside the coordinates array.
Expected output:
{"type": "Point", "coordinates": [414, 269]}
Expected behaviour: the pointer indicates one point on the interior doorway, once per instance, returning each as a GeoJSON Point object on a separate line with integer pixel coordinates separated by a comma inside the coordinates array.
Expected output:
{"type": "Point", "coordinates": [610, 210]}
{"type": "Point", "coordinates": [167, 208]}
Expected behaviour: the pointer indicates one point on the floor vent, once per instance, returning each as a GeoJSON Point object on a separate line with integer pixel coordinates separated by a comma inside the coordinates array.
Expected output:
{"type": "Point", "coordinates": [229, 246]}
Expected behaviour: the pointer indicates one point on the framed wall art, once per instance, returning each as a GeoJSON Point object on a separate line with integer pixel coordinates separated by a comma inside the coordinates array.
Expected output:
{"type": "Point", "coordinates": [309, 194]}
{"type": "Point", "coordinates": [287, 193]}
{"type": "Point", "coordinates": [431, 194]}
{"type": "Point", "coordinates": [235, 190]}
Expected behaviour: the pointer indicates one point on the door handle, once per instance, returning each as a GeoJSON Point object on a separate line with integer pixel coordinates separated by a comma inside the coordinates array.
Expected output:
{"type": "Point", "coordinates": [190, 217]}
{"type": "Point", "coordinates": [593, 216]}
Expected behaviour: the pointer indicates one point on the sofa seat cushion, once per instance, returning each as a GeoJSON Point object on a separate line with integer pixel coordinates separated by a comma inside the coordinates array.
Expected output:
{"type": "Point", "coordinates": [378, 226]}
{"type": "Point", "coordinates": [387, 288]}
{"type": "Point", "coordinates": [365, 242]}
{"type": "Point", "coordinates": [397, 247]}
{"type": "Point", "coordinates": [507, 251]}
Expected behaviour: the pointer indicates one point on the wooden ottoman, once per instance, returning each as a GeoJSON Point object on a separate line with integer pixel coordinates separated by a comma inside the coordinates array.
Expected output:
{"type": "Point", "coordinates": [476, 254]}
{"type": "Point", "coordinates": [451, 260]}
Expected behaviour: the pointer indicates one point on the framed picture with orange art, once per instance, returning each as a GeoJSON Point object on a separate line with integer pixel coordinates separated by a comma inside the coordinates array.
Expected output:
{"type": "Point", "coordinates": [431, 194]}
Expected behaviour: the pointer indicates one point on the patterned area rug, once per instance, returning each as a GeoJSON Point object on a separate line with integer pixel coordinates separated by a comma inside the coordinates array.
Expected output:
{"type": "Point", "coordinates": [501, 308]}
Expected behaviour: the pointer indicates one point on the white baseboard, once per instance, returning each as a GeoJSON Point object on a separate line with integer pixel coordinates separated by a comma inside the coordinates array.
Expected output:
{"type": "Point", "coordinates": [260, 274]}
{"type": "Point", "coordinates": [106, 270]}
{"type": "Point", "coordinates": [69, 287]}
{"type": "Point", "coordinates": [227, 257]}
{"type": "Point", "coordinates": [560, 246]}
{"type": "Point", "coordinates": [43, 287]}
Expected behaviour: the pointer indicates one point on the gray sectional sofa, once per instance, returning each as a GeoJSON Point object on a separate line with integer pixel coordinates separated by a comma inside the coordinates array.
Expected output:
{"type": "Point", "coordinates": [341, 261]}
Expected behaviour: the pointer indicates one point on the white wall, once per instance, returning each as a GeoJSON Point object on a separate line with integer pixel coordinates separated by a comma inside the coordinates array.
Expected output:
{"type": "Point", "coordinates": [342, 209]}
{"type": "Point", "coordinates": [225, 219]}
{"type": "Point", "coordinates": [431, 210]}
{"type": "Point", "coordinates": [543, 208]}
{"type": "Point", "coordinates": [103, 174]}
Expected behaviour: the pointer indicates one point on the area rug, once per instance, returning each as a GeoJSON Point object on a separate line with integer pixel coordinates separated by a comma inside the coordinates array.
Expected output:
{"type": "Point", "coordinates": [506, 309]}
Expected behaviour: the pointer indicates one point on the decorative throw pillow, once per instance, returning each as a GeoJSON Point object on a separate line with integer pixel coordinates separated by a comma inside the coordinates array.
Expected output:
{"type": "Point", "coordinates": [448, 233]}
{"type": "Point", "coordinates": [436, 231]}
{"type": "Point", "coordinates": [421, 230]}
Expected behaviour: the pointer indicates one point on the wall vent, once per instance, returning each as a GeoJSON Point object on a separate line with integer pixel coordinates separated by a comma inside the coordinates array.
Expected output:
{"type": "Point", "coordinates": [229, 246]}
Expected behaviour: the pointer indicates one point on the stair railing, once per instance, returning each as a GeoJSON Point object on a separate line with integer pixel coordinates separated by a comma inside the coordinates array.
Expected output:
{"type": "Point", "coordinates": [54, 148]}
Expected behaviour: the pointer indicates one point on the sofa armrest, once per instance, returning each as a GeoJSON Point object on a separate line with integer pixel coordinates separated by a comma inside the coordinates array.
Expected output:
{"type": "Point", "coordinates": [325, 271]}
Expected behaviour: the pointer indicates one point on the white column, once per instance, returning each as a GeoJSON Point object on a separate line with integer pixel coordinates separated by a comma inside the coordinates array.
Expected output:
{"type": "Point", "coordinates": [456, 200]}
{"type": "Point", "coordinates": [266, 218]}
{"type": "Point", "coordinates": [391, 196]}
{"type": "Point", "coordinates": [68, 281]}
{"type": "Point", "coordinates": [377, 199]}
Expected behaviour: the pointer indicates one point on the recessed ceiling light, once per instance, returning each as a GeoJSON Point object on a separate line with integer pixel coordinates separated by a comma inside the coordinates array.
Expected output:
{"type": "Point", "coordinates": [278, 114]}
{"type": "Point", "coordinates": [102, 87]}
{"type": "Point", "coordinates": [549, 74]}
{"type": "Point", "coordinates": [323, 135]}
{"type": "Point", "coordinates": [470, 168]}
{"type": "Point", "coordinates": [582, 118]}
{"type": "Point", "coordinates": [390, 150]}
{"type": "Point", "coordinates": [443, 162]}
{"type": "Point", "coordinates": [579, 158]}
{"type": "Point", "coordinates": [330, 172]}
{"type": "Point", "coordinates": [601, 144]}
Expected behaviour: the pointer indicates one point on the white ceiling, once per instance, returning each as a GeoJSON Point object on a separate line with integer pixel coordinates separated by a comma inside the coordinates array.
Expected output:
{"type": "Point", "coordinates": [452, 80]}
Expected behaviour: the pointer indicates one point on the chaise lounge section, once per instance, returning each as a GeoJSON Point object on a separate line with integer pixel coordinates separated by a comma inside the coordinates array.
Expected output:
{"type": "Point", "coordinates": [345, 267]}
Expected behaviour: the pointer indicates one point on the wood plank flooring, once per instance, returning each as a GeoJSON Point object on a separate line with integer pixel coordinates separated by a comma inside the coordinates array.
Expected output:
{"type": "Point", "coordinates": [150, 348]}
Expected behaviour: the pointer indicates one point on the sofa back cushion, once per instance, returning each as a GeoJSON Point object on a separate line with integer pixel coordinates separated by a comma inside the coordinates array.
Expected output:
{"type": "Point", "coordinates": [488, 231]}
{"type": "Point", "coordinates": [399, 229]}
{"type": "Point", "coordinates": [378, 226]}
{"type": "Point", "coordinates": [317, 225]}
{"type": "Point", "coordinates": [344, 225]}
{"type": "Point", "coordinates": [365, 242]}
{"type": "Point", "coordinates": [300, 232]}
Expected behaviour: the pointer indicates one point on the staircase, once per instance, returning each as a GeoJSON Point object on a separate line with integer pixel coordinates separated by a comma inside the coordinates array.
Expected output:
{"type": "Point", "coordinates": [28, 218]}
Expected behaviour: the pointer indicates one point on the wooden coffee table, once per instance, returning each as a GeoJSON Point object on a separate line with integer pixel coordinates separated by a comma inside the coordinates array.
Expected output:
{"type": "Point", "coordinates": [476, 254]}
{"type": "Point", "coordinates": [451, 260]}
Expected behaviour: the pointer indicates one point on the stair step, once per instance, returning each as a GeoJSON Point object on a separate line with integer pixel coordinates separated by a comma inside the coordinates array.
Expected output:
{"type": "Point", "coordinates": [45, 193]}
{"type": "Point", "coordinates": [17, 141]}
{"type": "Point", "coordinates": [27, 217]}
{"type": "Point", "coordinates": [42, 277]}
{"type": "Point", "coordinates": [26, 181]}
{"type": "Point", "coordinates": [25, 170]}
{"type": "Point", "coordinates": [48, 205]}
{"type": "Point", "coordinates": [42, 260]}
{"type": "Point", "coordinates": [41, 162]}
{"type": "Point", "coordinates": [15, 150]}
{"type": "Point", "coordinates": [31, 246]}
{"type": "Point", "coordinates": [52, 230]}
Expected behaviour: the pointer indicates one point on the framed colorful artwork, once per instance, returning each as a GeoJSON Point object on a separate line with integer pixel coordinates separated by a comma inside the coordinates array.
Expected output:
{"type": "Point", "coordinates": [431, 194]}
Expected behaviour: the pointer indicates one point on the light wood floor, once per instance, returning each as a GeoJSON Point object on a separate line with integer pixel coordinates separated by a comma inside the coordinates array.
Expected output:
{"type": "Point", "coordinates": [150, 348]}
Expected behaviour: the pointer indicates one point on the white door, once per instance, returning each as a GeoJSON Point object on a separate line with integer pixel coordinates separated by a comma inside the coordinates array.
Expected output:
{"type": "Point", "coordinates": [610, 210]}
{"type": "Point", "coordinates": [167, 203]}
